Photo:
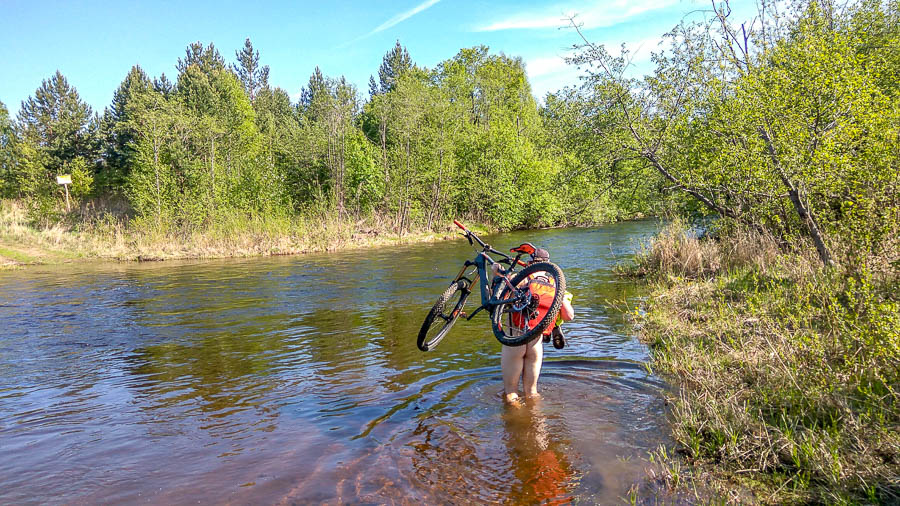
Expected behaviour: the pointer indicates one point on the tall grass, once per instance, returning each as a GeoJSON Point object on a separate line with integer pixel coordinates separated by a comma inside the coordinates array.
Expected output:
{"type": "Point", "coordinates": [116, 237]}
{"type": "Point", "coordinates": [788, 375]}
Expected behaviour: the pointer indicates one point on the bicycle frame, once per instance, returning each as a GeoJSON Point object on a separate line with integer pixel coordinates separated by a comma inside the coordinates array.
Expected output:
{"type": "Point", "coordinates": [519, 304]}
{"type": "Point", "coordinates": [480, 276]}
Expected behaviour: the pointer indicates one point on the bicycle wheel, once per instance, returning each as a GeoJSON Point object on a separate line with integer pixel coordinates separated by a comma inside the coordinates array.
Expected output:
{"type": "Point", "coordinates": [535, 297]}
{"type": "Point", "coordinates": [443, 315]}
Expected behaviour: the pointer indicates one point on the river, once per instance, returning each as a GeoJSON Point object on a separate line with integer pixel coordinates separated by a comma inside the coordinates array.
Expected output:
{"type": "Point", "coordinates": [297, 380]}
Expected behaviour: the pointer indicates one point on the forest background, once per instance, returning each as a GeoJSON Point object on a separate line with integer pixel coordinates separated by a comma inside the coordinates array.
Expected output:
{"type": "Point", "coordinates": [219, 154]}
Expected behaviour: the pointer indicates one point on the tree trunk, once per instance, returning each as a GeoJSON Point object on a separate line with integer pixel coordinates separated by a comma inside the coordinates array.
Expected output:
{"type": "Point", "coordinates": [802, 209]}
{"type": "Point", "coordinates": [341, 170]}
{"type": "Point", "coordinates": [156, 172]}
{"type": "Point", "coordinates": [437, 189]}
{"type": "Point", "coordinates": [384, 162]}
{"type": "Point", "coordinates": [212, 173]}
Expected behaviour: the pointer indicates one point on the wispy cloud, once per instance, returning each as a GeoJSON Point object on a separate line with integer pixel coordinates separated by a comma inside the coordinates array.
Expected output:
{"type": "Point", "coordinates": [537, 67]}
{"type": "Point", "coordinates": [399, 18]}
{"type": "Point", "coordinates": [591, 16]}
{"type": "Point", "coordinates": [549, 73]}
{"type": "Point", "coordinates": [403, 16]}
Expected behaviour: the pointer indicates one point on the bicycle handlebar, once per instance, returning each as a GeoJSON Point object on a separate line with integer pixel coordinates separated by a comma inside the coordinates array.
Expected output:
{"type": "Point", "coordinates": [471, 235]}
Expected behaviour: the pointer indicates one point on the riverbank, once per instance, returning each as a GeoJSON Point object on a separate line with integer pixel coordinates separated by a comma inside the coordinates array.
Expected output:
{"type": "Point", "coordinates": [786, 374]}
{"type": "Point", "coordinates": [22, 244]}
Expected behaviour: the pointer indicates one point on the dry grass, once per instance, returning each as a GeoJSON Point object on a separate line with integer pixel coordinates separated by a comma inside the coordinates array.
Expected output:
{"type": "Point", "coordinates": [105, 237]}
{"type": "Point", "coordinates": [678, 251]}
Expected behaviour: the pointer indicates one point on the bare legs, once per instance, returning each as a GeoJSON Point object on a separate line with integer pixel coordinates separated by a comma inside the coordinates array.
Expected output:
{"type": "Point", "coordinates": [521, 362]}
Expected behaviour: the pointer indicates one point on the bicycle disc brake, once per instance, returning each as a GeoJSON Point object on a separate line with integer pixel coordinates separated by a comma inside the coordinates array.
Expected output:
{"type": "Point", "coordinates": [527, 305]}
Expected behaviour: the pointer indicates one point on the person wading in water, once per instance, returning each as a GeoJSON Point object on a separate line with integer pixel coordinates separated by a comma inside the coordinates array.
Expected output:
{"type": "Point", "coordinates": [524, 362]}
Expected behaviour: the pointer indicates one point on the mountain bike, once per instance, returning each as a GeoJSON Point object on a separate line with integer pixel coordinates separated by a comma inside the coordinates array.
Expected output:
{"type": "Point", "coordinates": [520, 304]}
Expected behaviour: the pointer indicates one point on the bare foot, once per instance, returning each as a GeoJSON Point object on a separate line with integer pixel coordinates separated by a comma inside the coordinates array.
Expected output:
{"type": "Point", "coordinates": [512, 399]}
{"type": "Point", "coordinates": [532, 396]}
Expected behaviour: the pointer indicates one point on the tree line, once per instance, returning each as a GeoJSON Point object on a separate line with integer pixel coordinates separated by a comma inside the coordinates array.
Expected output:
{"type": "Point", "coordinates": [463, 139]}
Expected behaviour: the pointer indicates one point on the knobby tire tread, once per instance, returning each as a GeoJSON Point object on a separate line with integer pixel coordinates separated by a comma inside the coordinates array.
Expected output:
{"type": "Point", "coordinates": [436, 310]}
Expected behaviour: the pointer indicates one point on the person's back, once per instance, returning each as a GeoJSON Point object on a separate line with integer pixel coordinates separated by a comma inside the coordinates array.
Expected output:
{"type": "Point", "coordinates": [525, 361]}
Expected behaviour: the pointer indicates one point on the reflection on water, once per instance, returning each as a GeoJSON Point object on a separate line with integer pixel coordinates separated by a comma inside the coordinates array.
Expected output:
{"type": "Point", "coordinates": [297, 379]}
{"type": "Point", "coordinates": [538, 456]}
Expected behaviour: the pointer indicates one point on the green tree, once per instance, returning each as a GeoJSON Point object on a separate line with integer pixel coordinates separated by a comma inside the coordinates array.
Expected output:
{"type": "Point", "coordinates": [394, 63]}
{"type": "Point", "coordinates": [163, 85]}
{"type": "Point", "coordinates": [365, 188]}
{"type": "Point", "coordinates": [117, 131]}
{"type": "Point", "coordinates": [782, 125]}
{"type": "Point", "coordinates": [9, 185]}
{"type": "Point", "coordinates": [155, 124]}
{"type": "Point", "coordinates": [253, 76]}
{"type": "Point", "coordinates": [207, 59]}
{"type": "Point", "coordinates": [56, 133]}
{"type": "Point", "coordinates": [277, 123]}
{"type": "Point", "coordinates": [224, 140]}
{"type": "Point", "coordinates": [328, 109]}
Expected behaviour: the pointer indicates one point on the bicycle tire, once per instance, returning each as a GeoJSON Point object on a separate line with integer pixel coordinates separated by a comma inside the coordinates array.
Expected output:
{"type": "Point", "coordinates": [504, 332]}
{"type": "Point", "coordinates": [427, 342]}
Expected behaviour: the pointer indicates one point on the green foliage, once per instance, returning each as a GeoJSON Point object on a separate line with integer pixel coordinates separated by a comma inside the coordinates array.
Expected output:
{"type": "Point", "coordinates": [207, 59]}
{"type": "Point", "coordinates": [393, 65]}
{"type": "Point", "coordinates": [364, 182]}
{"type": "Point", "coordinates": [603, 177]}
{"type": "Point", "coordinates": [786, 380]}
{"type": "Point", "coordinates": [464, 139]}
{"type": "Point", "coordinates": [151, 184]}
{"type": "Point", "coordinates": [8, 165]}
{"type": "Point", "coordinates": [82, 177]}
{"type": "Point", "coordinates": [792, 129]}
{"type": "Point", "coordinates": [253, 77]}
{"type": "Point", "coordinates": [56, 136]}
{"type": "Point", "coordinates": [117, 132]}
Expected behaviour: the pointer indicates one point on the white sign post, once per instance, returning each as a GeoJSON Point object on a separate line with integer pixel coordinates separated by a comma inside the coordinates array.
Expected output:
{"type": "Point", "coordinates": [65, 180]}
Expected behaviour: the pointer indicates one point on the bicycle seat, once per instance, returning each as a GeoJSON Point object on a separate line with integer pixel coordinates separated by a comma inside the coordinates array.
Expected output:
{"type": "Point", "coordinates": [526, 248]}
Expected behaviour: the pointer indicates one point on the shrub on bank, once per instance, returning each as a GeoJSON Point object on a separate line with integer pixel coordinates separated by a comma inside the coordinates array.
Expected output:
{"type": "Point", "coordinates": [787, 376]}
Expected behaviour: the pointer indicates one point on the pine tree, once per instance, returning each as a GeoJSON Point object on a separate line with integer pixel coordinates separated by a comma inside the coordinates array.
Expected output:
{"type": "Point", "coordinates": [117, 133]}
{"type": "Point", "coordinates": [163, 85]}
{"type": "Point", "coordinates": [56, 121]}
{"type": "Point", "coordinates": [373, 87]}
{"type": "Point", "coordinates": [252, 76]}
{"type": "Point", "coordinates": [208, 58]}
{"type": "Point", "coordinates": [308, 95]}
{"type": "Point", "coordinates": [395, 62]}
{"type": "Point", "coordinates": [58, 136]}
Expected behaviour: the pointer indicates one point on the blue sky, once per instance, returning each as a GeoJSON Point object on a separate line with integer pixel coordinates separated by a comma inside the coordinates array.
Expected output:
{"type": "Point", "coordinates": [94, 44]}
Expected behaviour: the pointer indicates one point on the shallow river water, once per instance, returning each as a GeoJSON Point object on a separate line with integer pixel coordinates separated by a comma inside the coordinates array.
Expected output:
{"type": "Point", "coordinates": [297, 380]}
